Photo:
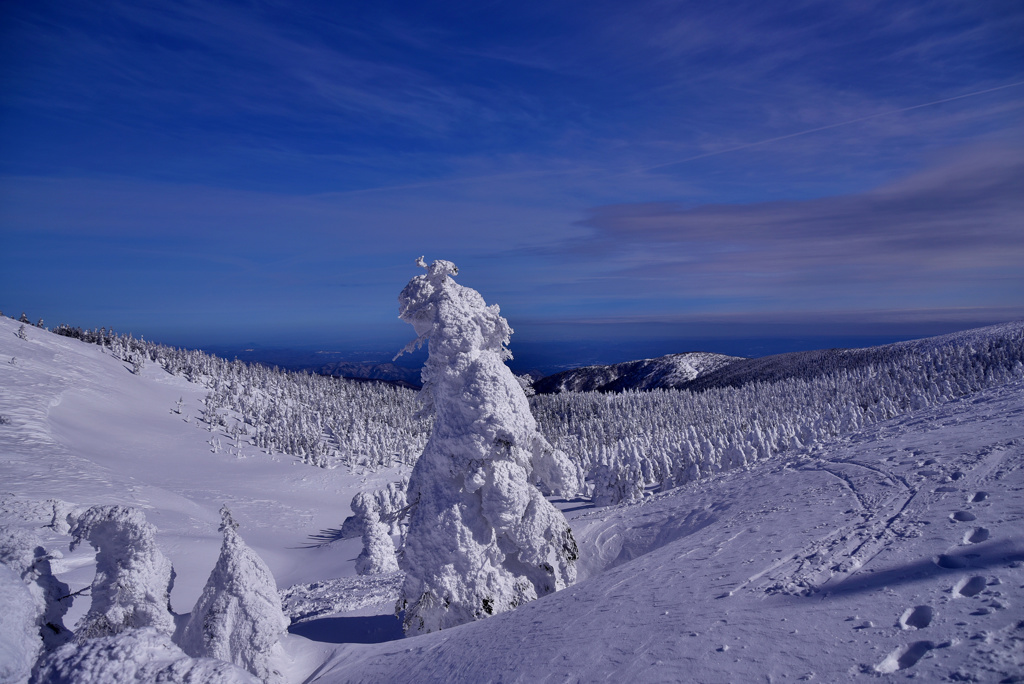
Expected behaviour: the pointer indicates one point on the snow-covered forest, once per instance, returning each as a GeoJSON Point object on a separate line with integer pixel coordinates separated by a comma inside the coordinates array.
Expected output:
{"type": "Point", "coordinates": [322, 421]}
{"type": "Point", "coordinates": [639, 439]}
{"type": "Point", "coordinates": [825, 474]}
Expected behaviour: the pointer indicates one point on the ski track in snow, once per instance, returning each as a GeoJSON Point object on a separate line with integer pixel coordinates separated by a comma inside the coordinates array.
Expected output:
{"type": "Point", "coordinates": [896, 551]}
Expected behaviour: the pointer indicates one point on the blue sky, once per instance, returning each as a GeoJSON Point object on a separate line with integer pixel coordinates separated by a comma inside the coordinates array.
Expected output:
{"type": "Point", "coordinates": [211, 173]}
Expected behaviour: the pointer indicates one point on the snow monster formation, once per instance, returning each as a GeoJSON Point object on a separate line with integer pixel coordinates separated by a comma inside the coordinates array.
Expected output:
{"type": "Point", "coordinates": [132, 587]}
{"type": "Point", "coordinates": [238, 618]}
{"type": "Point", "coordinates": [482, 539]}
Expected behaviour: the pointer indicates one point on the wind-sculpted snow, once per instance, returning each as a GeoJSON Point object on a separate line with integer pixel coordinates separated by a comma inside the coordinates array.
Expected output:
{"type": "Point", "coordinates": [238, 618]}
{"type": "Point", "coordinates": [133, 580]}
{"type": "Point", "coordinates": [481, 539]}
{"type": "Point", "coordinates": [683, 435]}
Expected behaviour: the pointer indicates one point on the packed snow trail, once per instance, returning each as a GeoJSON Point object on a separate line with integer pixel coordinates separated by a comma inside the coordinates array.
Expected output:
{"type": "Point", "coordinates": [897, 549]}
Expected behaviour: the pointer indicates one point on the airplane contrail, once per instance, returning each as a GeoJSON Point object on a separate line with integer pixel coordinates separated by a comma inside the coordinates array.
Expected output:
{"type": "Point", "coordinates": [830, 126]}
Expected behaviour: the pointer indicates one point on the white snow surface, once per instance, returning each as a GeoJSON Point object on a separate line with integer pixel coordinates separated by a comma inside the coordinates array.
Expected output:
{"type": "Point", "coordinates": [896, 551]}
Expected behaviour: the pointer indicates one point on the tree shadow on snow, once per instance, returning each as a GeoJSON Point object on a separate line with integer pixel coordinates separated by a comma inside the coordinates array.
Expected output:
{"type": "Point", "coordinates": [951, 564]}
{"type": "Point", "coordinates": [566, 505]}
{"type": "Point", "coordinates": [322, 538]}
{"type": "Point", "coordinates": [371, 629]}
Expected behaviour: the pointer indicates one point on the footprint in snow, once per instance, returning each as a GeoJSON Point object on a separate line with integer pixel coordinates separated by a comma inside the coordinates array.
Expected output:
{"type": "Point", "coordinates": [976, 535]}
{"type": "Point", "coordinates": [917, 617]}
{"type": "Point", "coordinates": [904, 657]}
{"type": "Point", "coordinates": [948, 562]}
{"type": "Point", "coordinates": [963, 516]}
{"type": "Point", "coordinates": [970, 586]}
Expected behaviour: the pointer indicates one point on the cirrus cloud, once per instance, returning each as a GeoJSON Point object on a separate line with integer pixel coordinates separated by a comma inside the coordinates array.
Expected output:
{"type": "Point", "coordinates": [950, 236]}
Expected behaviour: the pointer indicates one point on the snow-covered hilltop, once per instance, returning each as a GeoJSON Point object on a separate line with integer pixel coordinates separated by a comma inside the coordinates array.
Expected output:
{"type": "Point", "coordinates": [873, 530]}
{"type": "Point", "coordinates": [665, 372]}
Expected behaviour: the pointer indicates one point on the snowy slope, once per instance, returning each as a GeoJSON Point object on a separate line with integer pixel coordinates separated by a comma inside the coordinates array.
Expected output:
{"type": "Point", "coordinates": [674, 370]}
{"type": "Point", "coordinates": [899, 549]}
{"type": "Point", "coordinates": [82, 429]}
{"type": "Point", "coordinates": [805, 568]}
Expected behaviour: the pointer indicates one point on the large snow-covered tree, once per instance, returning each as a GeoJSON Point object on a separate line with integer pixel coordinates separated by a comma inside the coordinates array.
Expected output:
{"type": "Point", "coordinates": [238, 617]}
{"type": "Point", "coordinates": [132, 587]}
{"type": "Point", "coordinates": [482, 539]}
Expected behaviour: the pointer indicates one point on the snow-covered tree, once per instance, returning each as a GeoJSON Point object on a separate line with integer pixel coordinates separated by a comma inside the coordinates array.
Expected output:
{"type": "Point", "coordinates": [238, 617]}
{"type": "Point", "coordinates": [378, 554]}
{"type": "Point", "coordinates": [22, 553]}
{"type": "Point", "coordinates": [481, 538]}
{"type": "Point", "coordinates": [133, 580]}
{"type": "Point", "coordinates": [618, 479]}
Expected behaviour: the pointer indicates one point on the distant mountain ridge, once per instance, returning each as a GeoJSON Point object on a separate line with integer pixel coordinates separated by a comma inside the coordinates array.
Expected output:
{"type": "Point", "coordinates": [665, 372]}
{"type": "Point", "coordinates": [818, 362]}
{"type": "Point", "coordinates": [383, 372]}
{"type": "Point", "coordinates": [703, 370]}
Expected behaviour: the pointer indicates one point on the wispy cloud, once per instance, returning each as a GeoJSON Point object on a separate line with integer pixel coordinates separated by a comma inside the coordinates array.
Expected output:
{"type": "Point", "coordinates": [954, 231]}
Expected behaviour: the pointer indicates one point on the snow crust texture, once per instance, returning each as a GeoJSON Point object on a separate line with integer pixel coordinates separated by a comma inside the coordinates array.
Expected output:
{"type": "Point", "coordinates": [133, 580]}
{"type": "Point", "coordinates": [481, 539]}
{"type": "Point", "coordinates": [238, 618]}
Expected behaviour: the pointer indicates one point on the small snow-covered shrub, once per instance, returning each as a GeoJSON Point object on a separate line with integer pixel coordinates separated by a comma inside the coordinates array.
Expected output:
{"type": "Point", "coordinates": [133, 579]}
{"type": "Point", "coordinates": [238, 617]}
{"type": "Point", "coordinates": [481, 538]}
{"type": "Point", "coordinates": [135, 656]}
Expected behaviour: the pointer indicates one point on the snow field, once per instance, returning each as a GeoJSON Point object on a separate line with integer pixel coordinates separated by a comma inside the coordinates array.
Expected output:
{"type": "Point", "coordinates": [891, 551]}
